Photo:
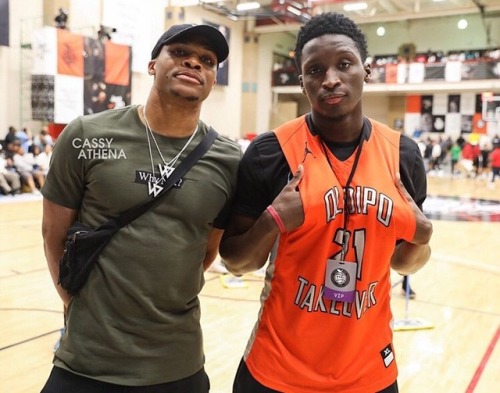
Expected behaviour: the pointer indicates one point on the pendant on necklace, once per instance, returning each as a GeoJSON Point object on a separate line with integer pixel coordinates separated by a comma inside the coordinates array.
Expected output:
{"type": "Point", "coordinates": [165, 170]}
{"type": "Point", "coordinates": [154, 188]}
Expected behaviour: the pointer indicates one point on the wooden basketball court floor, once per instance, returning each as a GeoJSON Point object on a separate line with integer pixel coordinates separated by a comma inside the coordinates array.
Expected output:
{"type": "Point", "coordinates": [458, 294]}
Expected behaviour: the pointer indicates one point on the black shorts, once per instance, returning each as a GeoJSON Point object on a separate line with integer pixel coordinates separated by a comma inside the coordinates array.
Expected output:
{"type": "Point", "coordinates": [244, 382]}
{"type": "Point", "coordinates": [63, 381]}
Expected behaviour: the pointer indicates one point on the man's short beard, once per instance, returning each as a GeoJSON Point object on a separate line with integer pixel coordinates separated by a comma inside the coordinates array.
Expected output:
{"type": "Point", "coordinates": [189, 98]}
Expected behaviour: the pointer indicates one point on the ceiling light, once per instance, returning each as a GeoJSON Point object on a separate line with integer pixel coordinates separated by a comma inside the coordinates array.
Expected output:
{"type": "Point", "coordinates": [381, 31]}
{"type": "Point", "coordinates": [462, 24]}
{"type": "Point", "coordinates": [355, 6]}
{"type": "Point", "coordinates": [253, 5]}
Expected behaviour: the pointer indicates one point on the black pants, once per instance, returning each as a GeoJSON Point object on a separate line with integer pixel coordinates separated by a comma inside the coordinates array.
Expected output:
{"type": "Point", "coordinates": [244, 382]}
{"type": "Point", "coordinates": [62, 381]}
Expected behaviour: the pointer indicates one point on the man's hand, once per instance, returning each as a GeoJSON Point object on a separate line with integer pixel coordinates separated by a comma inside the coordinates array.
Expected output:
{"type": "Point", "coordinates": [288, 203]}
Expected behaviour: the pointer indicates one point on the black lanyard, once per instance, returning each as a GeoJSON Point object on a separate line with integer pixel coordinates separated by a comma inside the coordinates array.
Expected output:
{"type": "Point", "coordinates": [345, 236]}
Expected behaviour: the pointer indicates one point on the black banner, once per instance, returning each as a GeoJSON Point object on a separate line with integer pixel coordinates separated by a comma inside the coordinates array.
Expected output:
{"type": "Point", "coordinates": [4, 22]}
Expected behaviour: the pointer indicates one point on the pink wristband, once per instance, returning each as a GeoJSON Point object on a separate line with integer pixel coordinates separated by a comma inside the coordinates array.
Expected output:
{"type": "Point", "coordinates": [276, 218]}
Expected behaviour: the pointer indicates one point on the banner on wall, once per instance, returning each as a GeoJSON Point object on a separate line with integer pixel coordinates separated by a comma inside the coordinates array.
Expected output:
{"type": "Point", "coordinates": [75, 75]}
{"type": "Point", "coordinates": [4, 22]}
{"type": "Point", "coordinates": [490, 107]}
{"type": "Point", "coordinates": [452, 114]}
{"type": "Point", "coordinates": [390, 71]}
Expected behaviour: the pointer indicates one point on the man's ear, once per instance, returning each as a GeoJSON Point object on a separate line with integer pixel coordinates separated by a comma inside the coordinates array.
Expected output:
{"type": "Point", "coordinates": [301, 81]}
{"type": "Point", "coordinates": [151, 67]}
{"type": "Point", "coordinates": [368, 73]}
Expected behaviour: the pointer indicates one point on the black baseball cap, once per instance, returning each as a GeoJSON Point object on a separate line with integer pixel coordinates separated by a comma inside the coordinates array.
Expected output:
{"type": "Point", "coordinates": [216, 39]}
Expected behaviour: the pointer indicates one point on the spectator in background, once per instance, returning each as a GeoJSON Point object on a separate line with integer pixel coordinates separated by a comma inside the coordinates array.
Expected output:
{"type": "Point", "coordinates": [42, 158]}
{"type": "Point", "coordinates": [25, 136]}
{"type": "Point", "coordinates": [10, 181]}
{"type": "Point", "coordinates": [461, 141]}
{"type": "Point", "coordinates": [435, 161]}
{"type": "Point", "coordinates": [446, 145]}
{"type": "Point", "coordinates": [43, 138]}
{"type": "Point", "coordinates": [25, 165]}
{"type": "Point", "coordinates": [470, 158]}
{"type": "Point", "coordinates": [428, 149]}
{"type": "Point", "coordinates": [426, 122]}
{"type": "Point", "coordinates": [10, 137]}
{"type": "Point", "coordinates": [485, 148]}
{"type": "Point", "coordinates": [406, 288]}
{"type": "Point", "coordinates": [421, 147]}
{"type": "Point", "coordinates": [455, 155]}
{"type": "Point", "coordinates": [495, 164]}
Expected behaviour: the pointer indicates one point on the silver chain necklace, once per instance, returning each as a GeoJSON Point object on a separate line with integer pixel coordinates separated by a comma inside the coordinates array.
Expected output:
{"type": "Point", "coordinates": [167, 168]}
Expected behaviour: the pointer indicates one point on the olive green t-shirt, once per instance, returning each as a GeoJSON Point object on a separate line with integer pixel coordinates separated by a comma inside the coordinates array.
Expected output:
{"type": "Point", "coordinates": [136, 321]}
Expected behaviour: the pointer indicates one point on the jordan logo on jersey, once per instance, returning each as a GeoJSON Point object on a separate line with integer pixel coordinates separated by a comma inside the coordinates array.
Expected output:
{"type": "Point", "coordinates": [306, 152]}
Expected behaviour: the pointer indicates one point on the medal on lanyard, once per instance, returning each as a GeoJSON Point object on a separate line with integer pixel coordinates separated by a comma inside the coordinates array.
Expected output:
{"type": "Point", "coordinates": [340, 274]}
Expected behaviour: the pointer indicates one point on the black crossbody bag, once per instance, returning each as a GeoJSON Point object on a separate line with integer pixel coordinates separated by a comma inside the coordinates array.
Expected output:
{"type": "Point", "coordinates": [84, 244]}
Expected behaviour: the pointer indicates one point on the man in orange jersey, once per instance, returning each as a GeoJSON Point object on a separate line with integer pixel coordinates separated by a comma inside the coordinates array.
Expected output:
{"type": "Point", "coordinates": [326, 189]}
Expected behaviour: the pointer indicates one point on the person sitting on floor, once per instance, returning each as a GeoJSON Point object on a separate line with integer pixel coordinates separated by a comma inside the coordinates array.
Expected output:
{"type": "Point", "coordinates": [25, 165]}
{"type": "Point", "coordinates": [10, 181]}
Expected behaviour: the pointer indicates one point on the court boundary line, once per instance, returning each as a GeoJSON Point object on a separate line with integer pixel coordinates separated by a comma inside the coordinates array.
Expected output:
{"type": "Point", "coordinates": [484, 361]}
{"type": "Point", "coordinates": [29, 339]}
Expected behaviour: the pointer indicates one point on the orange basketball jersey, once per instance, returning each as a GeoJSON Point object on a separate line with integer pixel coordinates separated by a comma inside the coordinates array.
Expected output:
{"type": "Point", "coordinates": [304, 342]}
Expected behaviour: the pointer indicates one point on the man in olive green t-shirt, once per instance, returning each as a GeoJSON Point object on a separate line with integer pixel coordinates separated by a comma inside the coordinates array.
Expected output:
{"type": "Point", "coordinates": [135, 325]}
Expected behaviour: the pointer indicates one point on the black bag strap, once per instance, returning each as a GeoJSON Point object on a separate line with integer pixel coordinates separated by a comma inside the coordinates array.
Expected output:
{"type": "Point", "coordinates": [130, 215]}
